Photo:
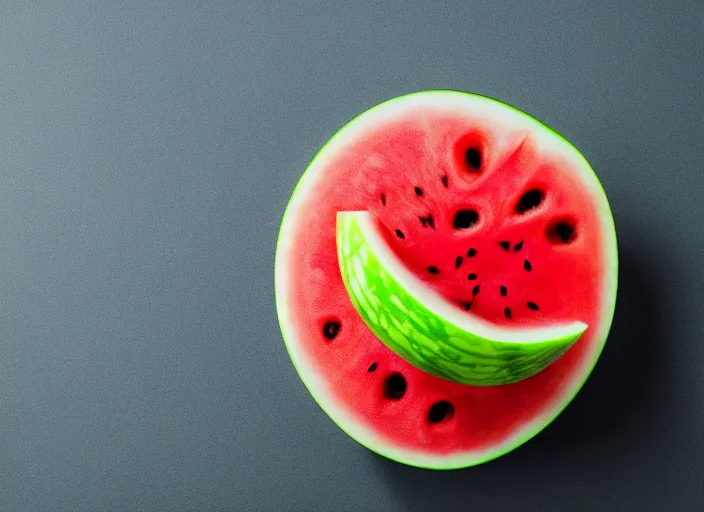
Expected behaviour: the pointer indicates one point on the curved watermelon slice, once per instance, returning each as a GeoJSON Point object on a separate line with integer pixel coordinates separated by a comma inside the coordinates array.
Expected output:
{"type": "Point", "coordinates": [500, 217]}
{"type": "Point", "coordinates": [426, 330]}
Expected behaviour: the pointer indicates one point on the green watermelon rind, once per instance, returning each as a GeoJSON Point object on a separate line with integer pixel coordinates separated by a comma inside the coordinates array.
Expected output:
{"type": "Point", "coordinates": [349, 422]}
{"type": "Point", "coordinates": [439, 338]}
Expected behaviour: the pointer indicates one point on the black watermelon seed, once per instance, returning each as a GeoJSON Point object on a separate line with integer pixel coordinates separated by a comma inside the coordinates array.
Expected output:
{"type": "Point", "coordinates": [503, 290]}
{"type": "Point", "coordinates": [383, 199]}
{"type": "Point", "coordinates": [527, 265]}
{"type": "Point", "coordinates": [444, 181]}
{"type": "Point", "coordinates": [562, 231]}
{"type": "Point", "coordinates": [505, 245]}
{"type": "Point", "coordinates": [475, 290]}
{"type": "Point", "coordinates": [467, 306]}
{"type": "Point", "coordinates": [427, 221]}
{"type": "Point", "coordinates": [372, 367]}
{"type": "Point", "coordinates": [418, 191]}
{"type": "Point", "coordinates": [458, 261]}
{"type": "Point", "coordinates": [518, 246]}
{"type": "Point", "coordinates": [433, 270]}
{"type": "Point", "coordinates": [440, 411]}
{"type": "Point", "coordinates": [331, 329]}
{"type": "Point", "coordinates": [565, 232]}
{"type": "Point", "coordinates": [472, 276]}
{"type": "Point", "coordinates": [473, 159]}
{"type": "Point", "coordinates": [465, 219]}
{"type": "Point", "coordinates": [532, 305]}
{"type": "Point", "coordinates": [400, 234]}
{"type": "Point", "coordinates": [529, 200]}
{"type": "Point", "coordinates": [471, 253]}
{"type": "Point", "coordinates": [507, 313]}
{"type": "Point", "coordinates": [395, 386]}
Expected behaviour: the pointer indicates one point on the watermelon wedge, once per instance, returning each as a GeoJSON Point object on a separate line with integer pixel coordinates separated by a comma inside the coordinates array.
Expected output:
{"type": "Point", "coordinates": [446, 276]}
{"type": "Point", "coordinates": [424, 328]}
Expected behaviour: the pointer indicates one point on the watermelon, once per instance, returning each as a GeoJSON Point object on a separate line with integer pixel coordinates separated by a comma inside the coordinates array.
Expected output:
{"type": "Point", "coordinates": [423, 328]}
{"type": "Point", "coordinates": [446, 276]}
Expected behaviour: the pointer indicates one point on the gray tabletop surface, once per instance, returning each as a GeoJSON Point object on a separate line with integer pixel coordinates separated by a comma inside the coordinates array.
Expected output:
{"type": "Point", "coordinates": [147, 151]}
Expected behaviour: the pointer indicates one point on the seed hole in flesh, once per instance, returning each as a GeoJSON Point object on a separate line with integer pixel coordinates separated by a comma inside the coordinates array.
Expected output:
{"type": "Point", "coordinates": [395, 386]}
{"type": "Point", "coordinates": [383, 199]}
{"type": "Point", "coordinates": [418, 191]}
{"type": "Point", "coordinates": [400, 234]}
{"type": "Point", "coordinates": [471, 253]}
{"type": "Point", "coordinates": [529, 200]}
{"type": "Point", "coordinates": [458, 262]}
{"type": "Point", "coordinates": [433, 270]}
{"type": "Point", "coordinates": [532, 305]}
{"type": "Point", "coordinates": [465, 219]}
{"type": "Point", "coordinates": [561, 232]}
{"type": "Point", "coordinates": [527, 266]}
{"type": "Point", "coordinates": [518, 246]}
{"type": "Point", "coordinates": [444, 181]}
{"type": "Point", "coordinates": [475, 290]}
{"type": "Point", "coordinates": [472, 276]}
{"type": "Point", "coordinates": [473, 159]}
{"type": "Point", "coordinates": [440, 411]}
{"type": "Point", "coordinates": [372, 367]}
{"type": "Point", "coordinates": [467, 306]}
{"type": "Point", "coordinates": [503, 290]}
{"type": "Point", "coordinates": [505, 245]}
{"type": "Point", "coordinates": [507, 313]}
{"type": "Point", "coordinates": [331, 329]}
{"type": "Point", "coordinates": [427, 221]}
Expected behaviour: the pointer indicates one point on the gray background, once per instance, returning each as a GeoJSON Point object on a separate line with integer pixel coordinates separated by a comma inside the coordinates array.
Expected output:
{"type": "Point", "coordinates": [147, 151]}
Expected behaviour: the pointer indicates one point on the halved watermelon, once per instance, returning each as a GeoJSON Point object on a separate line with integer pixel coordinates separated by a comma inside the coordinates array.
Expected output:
{"type": "Point", "coordinates": [498, 218]}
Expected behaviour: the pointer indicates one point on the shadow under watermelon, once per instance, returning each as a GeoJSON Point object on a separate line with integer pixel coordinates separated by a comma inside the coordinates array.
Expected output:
{"type": "Point", "coordinates": [626, 390]}
{"type": "Point", "coordinates": [618, 411]}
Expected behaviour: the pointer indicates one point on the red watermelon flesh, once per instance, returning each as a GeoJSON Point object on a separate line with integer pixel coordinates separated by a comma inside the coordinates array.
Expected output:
{"type": "Point", "coordinates": [488, 207]}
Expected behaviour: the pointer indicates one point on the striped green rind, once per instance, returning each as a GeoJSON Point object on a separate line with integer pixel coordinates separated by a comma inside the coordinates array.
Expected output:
{"type": "Point", "coordinates": [421, 327]}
